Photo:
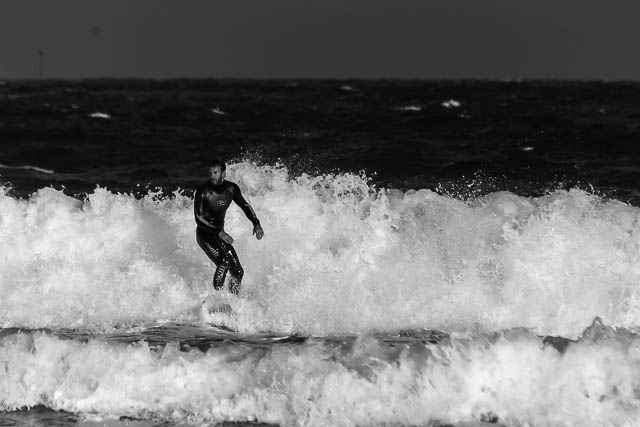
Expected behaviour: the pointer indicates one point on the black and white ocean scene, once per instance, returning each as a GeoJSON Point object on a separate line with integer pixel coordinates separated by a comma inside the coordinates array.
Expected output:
{"type": "Point", "coordinates": [454, 249]}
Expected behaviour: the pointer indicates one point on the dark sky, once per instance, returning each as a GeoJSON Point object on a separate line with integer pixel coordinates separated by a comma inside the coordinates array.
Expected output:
{"type": "Point", "coordinates": [584, 39]}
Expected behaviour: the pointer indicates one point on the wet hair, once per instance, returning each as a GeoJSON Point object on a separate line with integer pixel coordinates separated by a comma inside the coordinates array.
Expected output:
{"type": "Point", "coordinates": [217, 162]}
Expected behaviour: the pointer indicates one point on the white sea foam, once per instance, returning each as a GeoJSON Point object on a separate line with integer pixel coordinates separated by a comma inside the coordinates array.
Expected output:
{"type": "Point", "coordinates": [27, 167]}
{"type": "Point", "coordinates": [451, 103]}
{"type": "Point", "coordinates": [511, 376]}
{"type": "Point", "coordinates": [338, 256]}
{"type": "Point", "coordinates": [99, 115]}
{"type": "Point", "coordinates": [415, 108]}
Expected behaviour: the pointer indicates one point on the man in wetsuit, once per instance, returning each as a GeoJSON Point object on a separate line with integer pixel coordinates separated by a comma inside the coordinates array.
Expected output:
{"type": "Point", "coordinates": [211, 202]}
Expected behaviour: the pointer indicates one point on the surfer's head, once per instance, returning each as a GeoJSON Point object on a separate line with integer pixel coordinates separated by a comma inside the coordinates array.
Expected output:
{"type": "Point", "coordinates": [217, 171]}
{"type": "Point", "coordinates": [217, 162]}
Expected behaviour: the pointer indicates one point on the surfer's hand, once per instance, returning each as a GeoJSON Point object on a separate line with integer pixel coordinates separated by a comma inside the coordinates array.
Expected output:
{"type": "Point", "coordinates": [225, 237]}
{"type": "Point", "coordinates": [258, 231]}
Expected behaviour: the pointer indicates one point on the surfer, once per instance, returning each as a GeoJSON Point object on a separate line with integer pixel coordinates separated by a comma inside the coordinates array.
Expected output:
{"type": "Point", "coordinates": [211, 202]}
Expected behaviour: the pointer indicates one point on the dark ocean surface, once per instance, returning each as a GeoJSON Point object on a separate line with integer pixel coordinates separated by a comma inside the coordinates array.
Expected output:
{"type": "Point", "coordinates": [436, 253]}
{"type": "Point", "coordinates": [523, 136]}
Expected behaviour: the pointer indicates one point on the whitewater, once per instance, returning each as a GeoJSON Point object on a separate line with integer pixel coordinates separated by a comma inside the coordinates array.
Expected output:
{"type": "Point", "coordinates": [361, 306]}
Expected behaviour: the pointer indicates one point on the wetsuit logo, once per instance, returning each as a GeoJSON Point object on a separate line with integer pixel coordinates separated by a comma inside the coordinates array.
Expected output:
{"type": "Point", "coordinates": [221, 202]}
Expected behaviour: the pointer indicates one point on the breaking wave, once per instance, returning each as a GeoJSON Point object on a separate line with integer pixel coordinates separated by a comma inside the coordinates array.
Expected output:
{"type": "Point", "coordinates": [339, 256]}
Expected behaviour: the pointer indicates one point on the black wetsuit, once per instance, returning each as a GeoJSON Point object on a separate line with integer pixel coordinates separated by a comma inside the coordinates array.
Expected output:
{"type": "Point", "coordinates": [211, 203]}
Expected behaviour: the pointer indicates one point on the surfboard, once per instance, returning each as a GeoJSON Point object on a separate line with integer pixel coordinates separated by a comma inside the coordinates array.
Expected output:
{"type": "Point", "coordinates": [221, 315]}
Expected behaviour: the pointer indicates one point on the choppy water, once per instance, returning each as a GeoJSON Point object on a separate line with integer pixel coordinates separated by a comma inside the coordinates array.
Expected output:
{"type": "Point", "coordinates": [435, 253]}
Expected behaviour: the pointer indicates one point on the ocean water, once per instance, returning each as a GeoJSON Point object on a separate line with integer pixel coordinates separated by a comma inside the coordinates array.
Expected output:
{"type": "Point", "coordinates": [436, 253]}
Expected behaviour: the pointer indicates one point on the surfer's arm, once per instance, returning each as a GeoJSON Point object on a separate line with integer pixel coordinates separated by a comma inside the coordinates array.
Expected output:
{"type": "Point", "coordinates": [248, 211]}
{"type": "Point", "coordinates": [244, 205]}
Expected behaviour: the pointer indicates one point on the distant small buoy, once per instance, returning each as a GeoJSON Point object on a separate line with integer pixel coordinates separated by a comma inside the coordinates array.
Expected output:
{"type": "Point", "coordinates": [218, 111]}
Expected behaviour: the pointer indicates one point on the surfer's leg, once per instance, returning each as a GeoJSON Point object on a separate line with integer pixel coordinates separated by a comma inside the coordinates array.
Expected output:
{"type": "Point", "coordinates": [216, 253]}
{"type": "Point", "coordinates": [234, 266]}
{"type": "Point", "coordinates": [219, 275]}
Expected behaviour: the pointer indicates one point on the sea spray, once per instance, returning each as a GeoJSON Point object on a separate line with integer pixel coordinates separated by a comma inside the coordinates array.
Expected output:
{"type": "Point", "coordinates": [339, 256]}
{"type": "Point", "coordinates": [103, 261]}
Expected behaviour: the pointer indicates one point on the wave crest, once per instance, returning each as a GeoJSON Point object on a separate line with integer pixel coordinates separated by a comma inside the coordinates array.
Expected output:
{"type": "Point", "coordinates": [338, 256]}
